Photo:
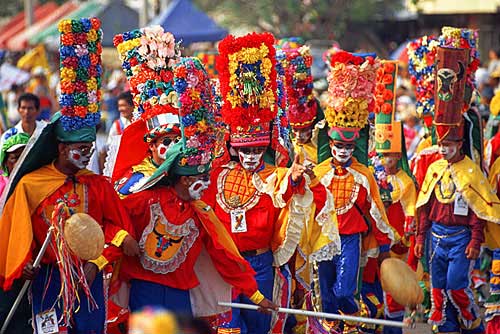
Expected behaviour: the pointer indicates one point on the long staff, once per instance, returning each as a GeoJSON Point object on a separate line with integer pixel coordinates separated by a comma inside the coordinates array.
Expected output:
{"type": "Point", "coordinates": [323, 315]}
{"type": "Point", "coordinates": [20, 296]}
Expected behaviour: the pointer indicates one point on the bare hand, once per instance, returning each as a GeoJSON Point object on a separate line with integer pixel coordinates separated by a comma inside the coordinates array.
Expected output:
{"type": "Point", "coordinates": [297, 170]}
{"type": "Point", "coordinates": [130, 246]}
{"type": "Point", "coordinates": [29, 272]}
{"type": "Point", "coordinates": [419, 250]}
{"type": "Point", "coordinates": [471, 252]}
{"type": "Point", "coordinates": [90, 270]}
{"type": "Point", "coordinates": [267, 306]}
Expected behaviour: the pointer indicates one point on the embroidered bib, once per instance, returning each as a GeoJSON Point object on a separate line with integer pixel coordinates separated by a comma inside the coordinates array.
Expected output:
{"type": "Point", "coordinates": [165, 245]}
{"type": "Point", "coordinates": [236, 190]}
{"type": "Point", "coordinates": [345, 192]}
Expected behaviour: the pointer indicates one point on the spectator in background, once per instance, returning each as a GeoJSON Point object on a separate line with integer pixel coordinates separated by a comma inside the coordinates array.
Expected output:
{"type": "Point", "coordinates": [40, 87]}
{"type": "Point", "coordinates": [494, 60]}
{"type": "Point", "coordinates": [125, 103]}
{"type": "Point", "coordinates": [28, 106]}
{"type": "Point", "coordinates": [495, 79]}
{"type": "Point", "coordinates": [12, 109]}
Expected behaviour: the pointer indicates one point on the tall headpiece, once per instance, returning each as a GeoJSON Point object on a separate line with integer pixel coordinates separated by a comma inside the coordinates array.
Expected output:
{"type": "Point", "coordinates": [302, 106]}
{"type": "Point", "coordinates": [80, 67]}
{"type": "Point", "coordinates": [248, 87]}
{"type": "Point", "coordinates": [449, 94]}
{"type": "Point", "coordinates": [351, 86]}
{"type": "Point", "coordinates": [148, 56]}
{"type": "Point", "coordinates": [387, 130]}
{"type": "Point", "coordinates": [194, 153]}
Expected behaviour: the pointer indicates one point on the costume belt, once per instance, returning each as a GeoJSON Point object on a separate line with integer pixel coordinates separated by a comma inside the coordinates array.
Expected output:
{"type": "Point", "coordinates": [434, 234]}
{"type": "Point", "coordinates": [255, 252]}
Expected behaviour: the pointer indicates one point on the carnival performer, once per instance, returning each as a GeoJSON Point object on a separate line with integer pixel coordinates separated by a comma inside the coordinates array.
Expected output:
{"type": "Point", "coordinates": [310, 138]}
{"type": "Point", "coordinates": [350, 193]}
{"type": "Point", "coordinates": [155, 124]}
{"type": "Point", "coordinates": [9, 155]}
{"type": "Point", "coordinates": [453, 203]}
{"type": "Point", "coordinates": [393, 176]}
{"type": "Point", "coordinates": [52, 184]}
{"type": "Point", "coordinates": [181, 238]}
{"type": "Point", "coordinates": [263, 207]}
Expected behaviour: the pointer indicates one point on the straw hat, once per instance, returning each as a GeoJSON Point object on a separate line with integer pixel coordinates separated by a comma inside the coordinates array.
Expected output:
{"type": "Point", "coordinates": [84, 236]}
{"type": "Point", "coordinates": [401, 282]}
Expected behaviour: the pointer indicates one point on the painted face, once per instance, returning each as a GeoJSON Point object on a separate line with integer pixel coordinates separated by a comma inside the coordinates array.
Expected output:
{"type": "Point", "coordinates": [391, 161]}
{"type": "Point", "coordinates": [302, 135]}
{"type": "Point", "coordinates": [251, 157]}
{"type": "Point", "coordinates": [80, 156]}
{"type": "Point", "coordinates": [197, 187]}
{"type": "Point", "coordinates": [164, 145]}
{"type": "Point", "coordinates": [448, 149]}
{"type": "Point", "coordinates": [342, 152]}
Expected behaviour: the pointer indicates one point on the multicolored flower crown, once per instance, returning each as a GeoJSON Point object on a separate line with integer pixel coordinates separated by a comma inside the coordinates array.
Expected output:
{"type": "Point", "coordinates": [290, 43]}
{"type": "Point", "coordinates": [80, 65]}
{"type": "Point", "coordinates": [280, 141]}
{"type": "Point", "coordinates": [421, 66]}
{"type": "Point", "coordinates": [148, 56]}
{"type": "Point", "coordinates": [192, 85]}
{"type": "Point", "coordinates": [302, 106]}
{"type": "Point", "coordinates": [248, 87]}
{"type": "Point", "coordinates": [463, 38]}
{"type": "Point", "coordinates": [351, 85]}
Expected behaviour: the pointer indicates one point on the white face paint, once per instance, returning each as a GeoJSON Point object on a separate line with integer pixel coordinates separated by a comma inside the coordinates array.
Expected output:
{"type": "Point", "coordinates": [250, 158]}
{"type": "Point", "coordinates": [196, 189]}
{"type": "Point", "coordinates": [448, 150]}
{"type": "Point", "coordinates": [78, 158]}
{"type": "Point", "coordinates": [342, 152]}
{"type": "Point", "coordinates": [163, 147]}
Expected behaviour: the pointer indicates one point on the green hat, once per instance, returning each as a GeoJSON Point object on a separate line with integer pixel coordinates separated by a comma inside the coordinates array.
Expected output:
{"type": "Point", "coordinates": [10, 145]}
{"type": "Point", "coordinates": [85, 134]}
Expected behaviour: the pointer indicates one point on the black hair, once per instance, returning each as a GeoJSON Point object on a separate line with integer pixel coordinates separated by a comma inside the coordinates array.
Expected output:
{"type": "Point", "coordinates": [170, 180]}
{"type": "Point", "coordinates": [127, 96]}
{"type": "Point", "coordinates": [29, 97]}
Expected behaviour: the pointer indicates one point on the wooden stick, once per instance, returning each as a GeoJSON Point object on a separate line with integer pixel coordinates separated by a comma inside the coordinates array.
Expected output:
{"type": "Point", "coordinates": [26, 285]}
{"type": "Point", "coordinates": [323, 315]}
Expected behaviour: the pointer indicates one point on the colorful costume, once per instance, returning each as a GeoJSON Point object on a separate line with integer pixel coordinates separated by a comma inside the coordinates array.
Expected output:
{"type": "Point", "coordinates": [188, 261]}
{"type": "Point", "coordinates": [148, 56]}
{"type": "Point", "coordinates": [349, 193]}
{"type": "Point", "coordinates": [453, 203]}
{"type": "Point", "coordinates": [42, 197]}
{"type": "Point", "coordinates": [263, 211]}
{"type": "Point", "coordinates": [400, 187]}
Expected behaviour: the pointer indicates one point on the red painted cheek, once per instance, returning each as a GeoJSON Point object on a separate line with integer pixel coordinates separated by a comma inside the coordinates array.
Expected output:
{"type": "Point", "coordinates": [163, 150]}
{"type": "Point", "coordinates": [76, 156]}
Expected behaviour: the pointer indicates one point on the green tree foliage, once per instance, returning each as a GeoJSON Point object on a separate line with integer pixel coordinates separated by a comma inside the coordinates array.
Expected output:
{"type": "Point", "coordinates": [307, 18]}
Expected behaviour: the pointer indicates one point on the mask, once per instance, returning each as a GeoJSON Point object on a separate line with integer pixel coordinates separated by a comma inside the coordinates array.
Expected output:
{"type": "Point", "coordinates": [250, 161]}
{"type": "Point", "coordinates": [77, 158]}
{"type": "Point", "coordinates": [163, 148]}
{"type": "Point", "coordinates": [196, 189]}
{"type": "Point", "coordinates": [448, 152]}
{"type": "Point", "coordinates": [342, 152]}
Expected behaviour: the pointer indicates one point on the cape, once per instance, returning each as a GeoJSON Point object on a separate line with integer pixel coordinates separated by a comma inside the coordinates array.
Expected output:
{"type": "Point", "coordinates": [470, 182]}
{"type": "Point", "coordinates": [16, 234]}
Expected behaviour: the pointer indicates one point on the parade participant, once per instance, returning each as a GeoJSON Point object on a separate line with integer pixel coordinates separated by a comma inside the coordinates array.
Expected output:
{"type": "Point", "coordinates": [28, 107]}
{"type": "Point", "coordinates": [350, 193]}
{"type": "Point", "coordinates": [181, 237]}
{"type": "Point", "coordinates": [453, 203]}
{"type": "Point", "coordinates": [155, 125]}
{"type": "Point", "coordinates": [401, 191]}
{"type": "Point", "coordinates": [125, 107]}
{"type": "Point", "coordinates": [263, 207]}
{"type": "Point", "coordinates": [492, 234]}
{"type": "Point", "coordinates": [52, 176]}
{"type": "Point", "coordinates": [11, 150]}
{"type": "Point", "coordinates": [310, 138]}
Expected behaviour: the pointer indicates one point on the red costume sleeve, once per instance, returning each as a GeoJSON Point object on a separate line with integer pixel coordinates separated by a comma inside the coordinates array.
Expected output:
{"type": "Point", "coordinates": [423, 222]}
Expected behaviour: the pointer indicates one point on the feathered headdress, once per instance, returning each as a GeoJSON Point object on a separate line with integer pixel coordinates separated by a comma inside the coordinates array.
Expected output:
{"type": "Point", "coordinates": [248, 87]}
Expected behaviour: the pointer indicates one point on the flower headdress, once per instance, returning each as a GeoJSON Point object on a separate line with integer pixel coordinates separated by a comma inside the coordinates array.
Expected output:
{"type": "Point", "coordinates": [80, 64]}
{"type": "Point", "coordinates": [302, 106]}
{"type": "Point", "coordinates": [387, 130]}
{"type": "Point", "coordinates": [351, 85]}
{"type": "Point", "coordinates": [248, 87]}
{"type": "Point", "coordinates": [421, 66]}
{"type": "Point", "coordinates": [148, 56]}
{"type": "Point", "coordinates": [280, 142]}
